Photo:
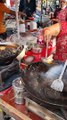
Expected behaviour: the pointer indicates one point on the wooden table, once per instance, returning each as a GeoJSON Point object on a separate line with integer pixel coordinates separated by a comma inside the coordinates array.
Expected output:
{"type": "Point", "coordinates": [19, 112]}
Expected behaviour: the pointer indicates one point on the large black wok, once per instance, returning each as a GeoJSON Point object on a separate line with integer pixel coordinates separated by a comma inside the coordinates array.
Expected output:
{"type": "Point", "coordinates": [37, 82]}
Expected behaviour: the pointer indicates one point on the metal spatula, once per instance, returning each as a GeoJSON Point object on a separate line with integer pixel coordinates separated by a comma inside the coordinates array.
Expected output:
{"type": "Point", "coordinates": [46, 55]}
{"type": "Point", "coordinates": [58, 84]}
{"type": "Point", "coordinates": [47, 59]}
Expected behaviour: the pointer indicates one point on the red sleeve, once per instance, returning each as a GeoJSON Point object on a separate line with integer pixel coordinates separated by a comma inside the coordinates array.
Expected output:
{"type": "Point", "coordinates": [63, 28]}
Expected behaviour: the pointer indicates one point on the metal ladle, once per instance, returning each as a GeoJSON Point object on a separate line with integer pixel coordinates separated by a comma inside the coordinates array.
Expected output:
{"type": "Point", "coordinates": [58, 84]}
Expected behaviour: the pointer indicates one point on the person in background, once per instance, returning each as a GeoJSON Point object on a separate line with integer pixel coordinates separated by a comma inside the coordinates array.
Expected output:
{"type": "Point", "coordinates": [60, 14]}
{"type": "Point", "coordinates": [28, 6]}
{"type": "Point", "coordinates": [3, 10]}
{"type": "Point", "coordinates": [58, 30]}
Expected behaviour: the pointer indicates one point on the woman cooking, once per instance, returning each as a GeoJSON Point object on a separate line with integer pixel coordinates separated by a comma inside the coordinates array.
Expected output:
{"type": "Point", "coordinates": [58, 30]}
{"type": "Point", "coordinates": [4, 9]}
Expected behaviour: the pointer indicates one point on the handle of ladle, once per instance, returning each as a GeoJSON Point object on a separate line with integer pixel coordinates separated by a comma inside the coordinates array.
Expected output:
{"type": "Point", "coordinates": [63, 69]}
{"type": "Point", "coordinates": [46, 49]}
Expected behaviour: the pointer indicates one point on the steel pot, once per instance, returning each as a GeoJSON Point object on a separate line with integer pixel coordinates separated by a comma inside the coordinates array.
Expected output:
{"type": "Point", "coordinates": [8, 52]}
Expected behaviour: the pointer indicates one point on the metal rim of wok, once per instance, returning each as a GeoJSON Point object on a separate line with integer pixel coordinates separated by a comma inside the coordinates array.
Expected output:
{"type": "Point", "coordinates": [61, 102]}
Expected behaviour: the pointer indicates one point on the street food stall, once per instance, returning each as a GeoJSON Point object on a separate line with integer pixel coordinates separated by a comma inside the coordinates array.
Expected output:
{"type": "Point", "coordinates": [25, 88]}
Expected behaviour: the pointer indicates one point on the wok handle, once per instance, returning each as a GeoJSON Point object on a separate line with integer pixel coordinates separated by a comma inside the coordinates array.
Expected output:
{"type": "Point", "coordinates": [63, 69]}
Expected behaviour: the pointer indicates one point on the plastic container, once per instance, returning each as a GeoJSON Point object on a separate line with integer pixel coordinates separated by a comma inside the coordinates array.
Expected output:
{"type": "Point", "coordinates": [18, 88]}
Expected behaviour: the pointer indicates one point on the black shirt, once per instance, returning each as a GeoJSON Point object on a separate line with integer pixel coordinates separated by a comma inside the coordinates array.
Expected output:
{"type": "Point", "coordinates": [27, 7]}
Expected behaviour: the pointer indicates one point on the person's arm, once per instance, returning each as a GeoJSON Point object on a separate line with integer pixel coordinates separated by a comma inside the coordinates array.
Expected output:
{"type": "Point", "coordinates": [55, 20]}
{"type": "Point", "coordinates": [20, 13]}
{"type": "Point", "coordinates": [7, 10]}
{"type": "Point", "coordinates": [51, 31]}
